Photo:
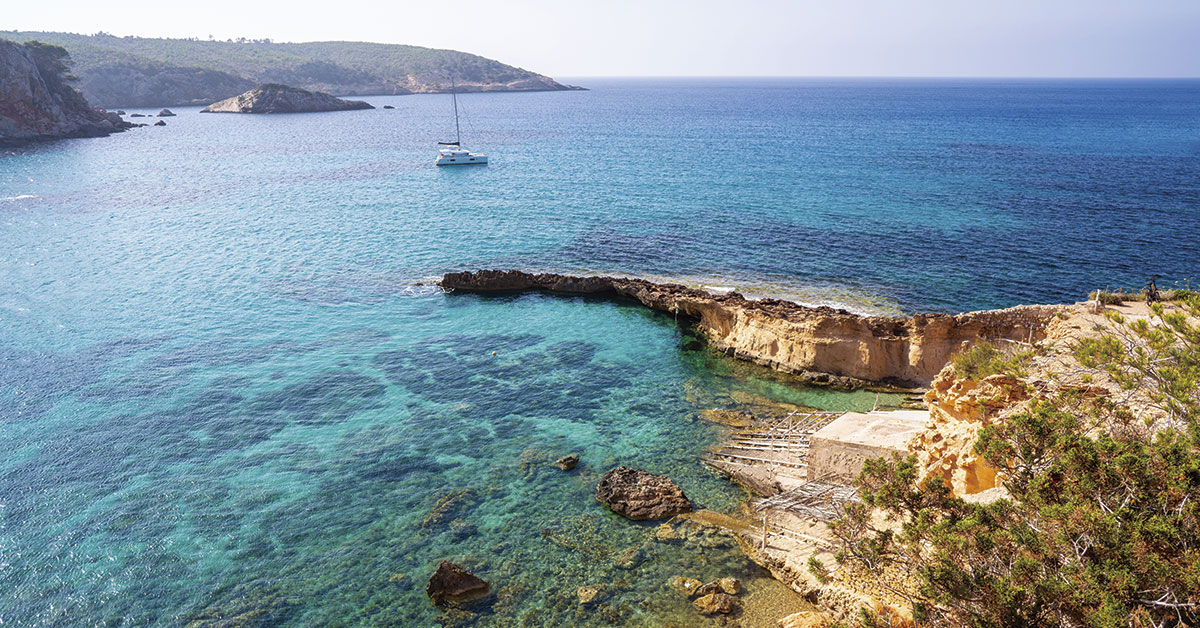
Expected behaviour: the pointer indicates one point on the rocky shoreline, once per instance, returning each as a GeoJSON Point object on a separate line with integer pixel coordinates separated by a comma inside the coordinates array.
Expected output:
{"type": "Point", "coordinates": [820, 344]}
{"type": "Point", "coordinates": [831, 346]}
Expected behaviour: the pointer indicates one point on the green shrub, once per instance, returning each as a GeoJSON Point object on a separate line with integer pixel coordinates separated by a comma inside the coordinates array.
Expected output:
{"type": "Point", "coordinates": [985, 358]}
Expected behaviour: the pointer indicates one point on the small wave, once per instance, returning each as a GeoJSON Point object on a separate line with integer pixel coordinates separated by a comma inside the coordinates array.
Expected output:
{"type": "Point", "coordinates": [422, 290]}
{"type": "Point", "coordinates": [19, 197]}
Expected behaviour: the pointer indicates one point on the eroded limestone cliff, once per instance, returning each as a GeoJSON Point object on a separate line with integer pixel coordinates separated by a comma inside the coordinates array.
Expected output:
{"type": "Point", "coordinates": [814, 342]}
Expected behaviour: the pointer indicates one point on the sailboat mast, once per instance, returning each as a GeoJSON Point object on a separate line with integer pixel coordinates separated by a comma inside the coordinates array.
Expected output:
{"type": "Point", "coordinates": [454, 95]}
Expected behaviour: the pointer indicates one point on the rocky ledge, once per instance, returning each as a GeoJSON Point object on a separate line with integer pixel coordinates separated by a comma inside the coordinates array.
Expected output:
{"type": "Point", "coordinates": [275, 98]}
{"type": "Point", "coordinates": [822, 344]}
{"type": "Point", "coordinates": [37, 102]}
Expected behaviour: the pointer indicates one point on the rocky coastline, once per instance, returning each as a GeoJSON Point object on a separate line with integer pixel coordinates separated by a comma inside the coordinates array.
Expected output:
{"type": "Point", "coordinates": [832, 346]}
{"type": "Point", "coordinates": [820, 344]}
{"type": "Point", "coordinates": [38, 104]}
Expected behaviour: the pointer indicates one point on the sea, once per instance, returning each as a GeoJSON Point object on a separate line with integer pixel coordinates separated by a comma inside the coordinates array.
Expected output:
{"type": "Point", "coordinates": [232, 394]}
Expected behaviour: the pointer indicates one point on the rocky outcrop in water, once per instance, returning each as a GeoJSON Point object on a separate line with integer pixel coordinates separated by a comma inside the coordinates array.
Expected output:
{"type": "Point", "coordinates": [641, 495]}
{"type": "Point", "coordinates": [275, 98]}
{"type": "Point", "coordinates": [38, 103]}
{"type": "Point", "coordinates": [821, 343]}
{"type": "Point", "coordinates": [451, 583]}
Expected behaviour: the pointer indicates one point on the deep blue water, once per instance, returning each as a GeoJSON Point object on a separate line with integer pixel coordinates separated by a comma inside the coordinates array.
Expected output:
{"type": "Point", "coordinates": [223, 393]}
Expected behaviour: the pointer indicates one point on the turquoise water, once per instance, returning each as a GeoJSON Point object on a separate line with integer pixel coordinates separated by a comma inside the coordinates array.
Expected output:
{"type": "Point", "coordinates": [223, 392]}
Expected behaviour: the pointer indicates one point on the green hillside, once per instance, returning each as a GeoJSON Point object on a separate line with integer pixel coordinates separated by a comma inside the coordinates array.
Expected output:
{"type": "Point", "coordinates": [149, 72]}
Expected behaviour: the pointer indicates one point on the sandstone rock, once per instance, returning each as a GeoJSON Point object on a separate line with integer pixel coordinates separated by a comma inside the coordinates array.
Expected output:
{"type": "Point", "coordinates": [640, 495]}
{"type": "Point", "coordinates": [715, 603]}
{"type": "Point", "coordinates": [275, 98]}
{"type": "Point", "coordinates": [451, 583]}
{"type": "Point", "coordinates": [806, 619]}
{"type": "Point", "coordinates": [958, 408]}
{"type": "Point", "coordinates": [792, 337]}
{"type": "Point", "coordinates": [731, 418]}
{"type": "Point", "coordinates": [166, 113]}
{"type": "Point", "coordinates": [687, 586]}
{"type": "Point", "coordinates": [591, 594]}
{"type": "Point", "coordinates": [732, 586]}
{"type": "Point", "coordinates": [566, 463]}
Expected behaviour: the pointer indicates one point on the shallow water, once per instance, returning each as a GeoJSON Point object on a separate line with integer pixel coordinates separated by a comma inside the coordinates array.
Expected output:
{"type": "Point", "coordinates": [224, 394]}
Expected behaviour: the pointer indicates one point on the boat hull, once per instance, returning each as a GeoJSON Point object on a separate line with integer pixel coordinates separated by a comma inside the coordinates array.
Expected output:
{"type": "Point", "coordinates": [468, 160]}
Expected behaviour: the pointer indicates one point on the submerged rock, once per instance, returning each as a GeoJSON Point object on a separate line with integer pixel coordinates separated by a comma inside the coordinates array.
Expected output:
{"type": "Point", "coordinates": [591, 594]}
{"type": "Point", "coordinates": [715, 603]}
{"type": "Point", "coordinates": [451, 583]}
{"type": "Point", "coordinates": [566, 463]}
{"type": "Point", "coordinates": [275, 98]}
{"type": "Point", "coordinates": [641, 495]}
{"type": "Point", "coordinates": [685, 585]}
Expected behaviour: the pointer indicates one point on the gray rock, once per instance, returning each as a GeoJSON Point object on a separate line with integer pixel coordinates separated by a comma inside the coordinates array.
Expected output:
{"type": "Point", "coordinates": [166, 113]}
{"type": "Point", "coordinates": [275, 98]}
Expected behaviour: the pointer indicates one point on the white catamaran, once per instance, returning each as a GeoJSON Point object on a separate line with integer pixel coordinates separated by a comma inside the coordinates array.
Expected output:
{"type": "Point", "coordinates": [452, 153]}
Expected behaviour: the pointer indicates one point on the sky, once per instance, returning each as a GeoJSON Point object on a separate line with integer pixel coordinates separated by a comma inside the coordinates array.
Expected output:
{"type": "Point", "coordinates": [581, 38]}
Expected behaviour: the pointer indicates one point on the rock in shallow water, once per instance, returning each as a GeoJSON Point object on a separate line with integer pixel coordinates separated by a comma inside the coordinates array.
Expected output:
{"type": "Point", "coordinates": [566, 463]}
{"type": "Point", "coordinates": [641, 495]}
{"type": "Point", "coordinates": [715, 603]}
{"type": "Point", "coordinates": [451, 583]}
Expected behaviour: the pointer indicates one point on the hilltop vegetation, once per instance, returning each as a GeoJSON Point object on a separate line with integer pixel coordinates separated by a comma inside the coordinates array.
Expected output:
{"type": "Point", "coordinates": [150, 72]}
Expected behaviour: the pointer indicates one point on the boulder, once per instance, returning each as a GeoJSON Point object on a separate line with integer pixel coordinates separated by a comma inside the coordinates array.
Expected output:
{"type": "Point", "coordinates": [715, 603]}
{"type": "Point", "coordinates": [641, 495]}
{"type": "Point", "coordinates": [732, 586]}
{"type": "Point", "coordinates": [120, 112]}
{"type": "Point", "coordinates": [591, 594]}
{"type": "Point", "coordinates": [566, 463]}
{"type": "Point", "coordinates": [137, 115]}
{"type": "Point", "coordinates": [451, 583]}
{"type": "Point", "coordinates": [161, 123]}
{"type": "Point", "coordinates": [687, 586]}
{"type": "Point", "coordinates": [166, 113]}
{"type": "Point", "coordinates": [275, 98]}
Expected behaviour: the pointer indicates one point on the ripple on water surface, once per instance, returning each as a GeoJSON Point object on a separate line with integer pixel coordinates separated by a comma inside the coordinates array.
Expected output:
{"type": "Point", "coordinates": [320, 480]}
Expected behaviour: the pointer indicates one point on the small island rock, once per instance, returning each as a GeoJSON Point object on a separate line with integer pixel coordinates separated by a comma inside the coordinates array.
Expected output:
{"type": "Point", "coordinates": [275, 98]}
{"type": "Point", "coordinates": [161, 123]}
{"type": "Point", "coordinates": [451, 583]}
{"type": "Point", "coordinates": [166, 113]}
{"type": "Point", "coordinates": [641, 495]}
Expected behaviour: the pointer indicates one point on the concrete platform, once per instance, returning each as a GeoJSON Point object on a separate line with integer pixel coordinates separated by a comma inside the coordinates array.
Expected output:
{"type": "Point", "coordinates": [838, 450]}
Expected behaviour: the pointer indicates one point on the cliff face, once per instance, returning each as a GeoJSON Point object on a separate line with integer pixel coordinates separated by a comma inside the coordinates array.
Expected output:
{"type": "Point", "coordinates": [35, 106]}
{"type": "Point", "coordinates": [794, 338]}
{"type": "Point", "coordinates": [274, 98]}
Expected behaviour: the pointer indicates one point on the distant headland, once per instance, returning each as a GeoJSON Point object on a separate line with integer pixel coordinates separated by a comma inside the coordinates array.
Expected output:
{"type": "Point", "coordinates": [150, 72]}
